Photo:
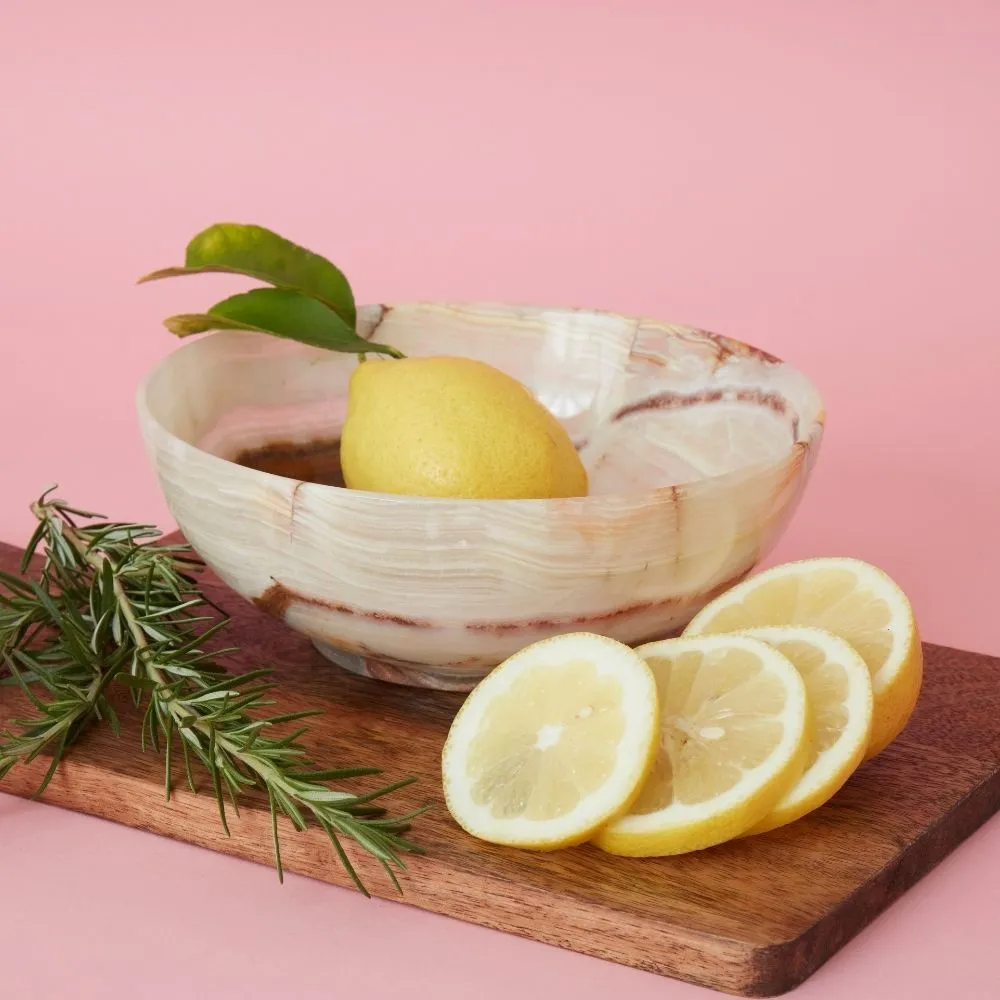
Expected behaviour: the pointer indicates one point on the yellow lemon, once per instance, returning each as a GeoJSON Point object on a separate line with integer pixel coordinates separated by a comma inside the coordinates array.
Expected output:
{"type": "Point", "coordinates": [453, 427]}
{"type": "Point", "coordinates": [733, 739]}
{"type": "Point", "coordinates": [552, 744]}
{"type": "Point", "coordinates": [849, 598]}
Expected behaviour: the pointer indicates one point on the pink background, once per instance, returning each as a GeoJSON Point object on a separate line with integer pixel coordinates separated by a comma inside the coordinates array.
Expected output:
{"type": "Point", "coordinates": [818, 179]}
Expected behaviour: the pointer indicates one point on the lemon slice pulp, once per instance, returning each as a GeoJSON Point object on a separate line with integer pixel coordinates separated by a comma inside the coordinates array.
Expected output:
{"type": "Point", "coordinates": [849, 598]}
{"type": "Point", "coordinates": [552, 744]}
{"type": "Point", "coordinates": [733, 739]}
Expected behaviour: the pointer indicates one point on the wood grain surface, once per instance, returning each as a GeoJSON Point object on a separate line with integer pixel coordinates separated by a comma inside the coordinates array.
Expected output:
{"type": "Point", "coordinates": [753, 917]}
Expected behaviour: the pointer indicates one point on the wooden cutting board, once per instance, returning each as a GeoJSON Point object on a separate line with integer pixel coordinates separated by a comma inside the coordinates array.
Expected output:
{"type": "Point", "coordinates": [753, 917]}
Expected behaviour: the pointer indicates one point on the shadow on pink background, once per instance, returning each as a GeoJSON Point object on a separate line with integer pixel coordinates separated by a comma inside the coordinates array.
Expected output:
{"type": "Point", "coordinates": [817, 179]}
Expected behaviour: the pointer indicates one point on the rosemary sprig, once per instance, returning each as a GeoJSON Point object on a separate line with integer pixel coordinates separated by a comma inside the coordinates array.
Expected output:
{"type": "Point", "coordinates": [114, 605]}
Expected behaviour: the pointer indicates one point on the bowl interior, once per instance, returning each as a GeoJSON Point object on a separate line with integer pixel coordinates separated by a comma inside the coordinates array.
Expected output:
{"type": "Point", "coordinates": [649, 405]}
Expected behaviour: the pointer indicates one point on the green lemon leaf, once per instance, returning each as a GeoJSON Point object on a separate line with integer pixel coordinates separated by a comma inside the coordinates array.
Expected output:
{"type": "Point", "coordinates": [234, 248]}
{"type": "Point", "coordinates": [282, 313]}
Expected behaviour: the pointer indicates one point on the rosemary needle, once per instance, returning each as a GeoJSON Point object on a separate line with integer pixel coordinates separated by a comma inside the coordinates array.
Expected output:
{"type": "Point", "coordinates": [113, 604]}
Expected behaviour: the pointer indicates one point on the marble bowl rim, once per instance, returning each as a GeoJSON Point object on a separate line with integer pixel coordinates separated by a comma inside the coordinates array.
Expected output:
{"type": "Point", "coordinates": [808, 435]}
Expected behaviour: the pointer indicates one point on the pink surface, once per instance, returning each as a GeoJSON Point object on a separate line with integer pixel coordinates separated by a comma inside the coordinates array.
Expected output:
{"type": "Point", "coordinates": [818, 179]}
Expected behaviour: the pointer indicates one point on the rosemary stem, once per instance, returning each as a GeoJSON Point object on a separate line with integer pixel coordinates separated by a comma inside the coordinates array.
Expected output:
{"type": "Point", "coordinates": [270, 775]}
{"type": "Point", "coordinates": [180, 714]}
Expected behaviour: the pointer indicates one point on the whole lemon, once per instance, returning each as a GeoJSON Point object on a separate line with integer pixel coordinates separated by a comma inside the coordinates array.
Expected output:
{"type": "Point", "coordinates": [453, 427]}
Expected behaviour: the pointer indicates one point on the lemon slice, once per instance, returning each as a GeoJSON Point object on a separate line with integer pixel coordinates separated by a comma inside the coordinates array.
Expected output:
{"type": "Point", "coordinates": [850, 598]}
{"type": "Point", "coordinates": [553, 743]}
{"type": "Point", "coordinates": [732, 742]}
{"type": "Point", "coordinates": [839, 693]}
